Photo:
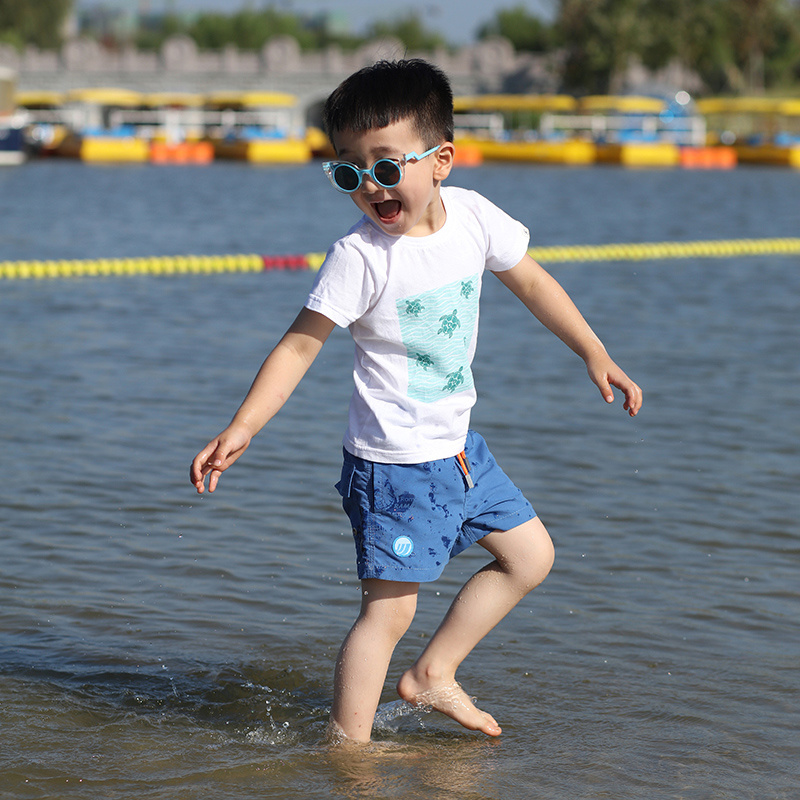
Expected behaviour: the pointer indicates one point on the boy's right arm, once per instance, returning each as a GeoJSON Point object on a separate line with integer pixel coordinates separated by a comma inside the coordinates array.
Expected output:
{"type": "Point", "coordinates": [280, 373]}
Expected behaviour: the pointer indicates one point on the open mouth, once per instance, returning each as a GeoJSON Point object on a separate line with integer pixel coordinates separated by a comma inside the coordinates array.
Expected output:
{"type": "Point", "coordinates": [388, 211]}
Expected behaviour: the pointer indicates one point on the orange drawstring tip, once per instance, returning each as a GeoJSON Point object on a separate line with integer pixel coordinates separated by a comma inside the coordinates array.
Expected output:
{"type": "Point", "coordinates": [464, 464]}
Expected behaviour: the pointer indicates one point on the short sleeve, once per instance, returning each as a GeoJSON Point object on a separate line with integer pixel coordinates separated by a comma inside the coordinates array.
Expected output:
{"type": "Point", "coordinates": [506, 238]}
{"type": "Point", "coordinates": [344, 287]}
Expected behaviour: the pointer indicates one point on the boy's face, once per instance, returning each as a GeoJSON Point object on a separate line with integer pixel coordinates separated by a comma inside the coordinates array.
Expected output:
{"type": "Point", "coordinates": [413, 208]}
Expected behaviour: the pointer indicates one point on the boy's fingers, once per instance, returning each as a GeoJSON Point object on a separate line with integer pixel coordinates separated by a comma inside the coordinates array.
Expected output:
{"type": "Point", "coordinates": [213, 479]}
{"type": "Point", "coordinates": [633, 394]}
{"type": "Point", "coordinates": [195, 471]}
{"type": "Point", "coordinates": [636, 400]}
{"type": "Point", "coordinates": [605, 389]}
{"type": "Point", "coordinates": [213, 460]}
{"type": "Point", "coordinates": [204, 462]}
{"type": "Point", "coordinates": [633, 398]}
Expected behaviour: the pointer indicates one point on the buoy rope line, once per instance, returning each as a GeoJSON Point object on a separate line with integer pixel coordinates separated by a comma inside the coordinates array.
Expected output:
{"type": "Point", "coordinates": [173, 265]}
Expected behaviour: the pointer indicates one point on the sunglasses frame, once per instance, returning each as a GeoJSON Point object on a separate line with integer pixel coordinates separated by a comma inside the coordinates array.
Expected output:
{"type": "Point", "coordinates": [330, 167]}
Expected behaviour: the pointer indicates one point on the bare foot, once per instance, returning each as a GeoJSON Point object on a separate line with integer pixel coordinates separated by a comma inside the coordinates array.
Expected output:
{"type": "Point", "coordinates": [448, 698]}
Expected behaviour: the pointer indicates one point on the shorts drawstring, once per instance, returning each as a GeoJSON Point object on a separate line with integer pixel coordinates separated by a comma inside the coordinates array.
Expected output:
{"type": "Point", "coordinates": [463, 463]}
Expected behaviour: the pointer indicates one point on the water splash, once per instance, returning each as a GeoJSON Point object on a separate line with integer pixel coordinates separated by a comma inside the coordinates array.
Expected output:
{"type": "Point", "coordinates": [391, 717]}
{"type": "Point", "coordinates": [255, 703]}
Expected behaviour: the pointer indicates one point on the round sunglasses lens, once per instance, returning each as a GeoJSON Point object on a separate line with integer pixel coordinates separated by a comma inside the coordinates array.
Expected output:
{"type": "Point", "coordinates": [345, 177]}
{"type": "Point", "coordinates": [387, 173]}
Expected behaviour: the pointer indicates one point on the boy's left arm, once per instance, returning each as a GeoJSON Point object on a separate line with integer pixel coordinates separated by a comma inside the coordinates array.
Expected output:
{"type": "Point", "coordinates": [551, 305]}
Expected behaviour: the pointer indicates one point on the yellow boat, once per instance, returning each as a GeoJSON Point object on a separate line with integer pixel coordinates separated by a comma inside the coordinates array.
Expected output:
{"type": "Point", "coordinates": [622, 104]}
{"type": "Point", "coordinates": [639, 154]}
{"type": "Point", "coordinates": [514, 103]}
{"type": "Point", "coordinates": [629, 130]}
{"type": "Point", "coordinates": [174, 125]}
{"type": "Point", "coordinates": [775, 155]}
{"type": "Point", "coordinates": [762, 130]}
{"type": "Point", "coordinates": [45, 126]}
{"type": "Point", "coordinates": [504, 127]}
{"type": "Point", "coordinates": [94, 133]}
{"type": "Point", "coordinates": [99, 148]}
{"type": "Point", "coordinates": [264, 151]}
{"type": "Point", "coordinates": [540, 151]}
{"type": "Point", "coordinates": [259, 127]}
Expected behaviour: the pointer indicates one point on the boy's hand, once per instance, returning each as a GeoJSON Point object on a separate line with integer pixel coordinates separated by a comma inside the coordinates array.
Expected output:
{"type": "Point", "coordinates": [605, 373]}
{"type": "Point", "coordinates": [217, 456]}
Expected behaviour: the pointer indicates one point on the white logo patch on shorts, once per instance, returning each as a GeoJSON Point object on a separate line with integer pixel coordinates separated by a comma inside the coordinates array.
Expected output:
{"type": "Point", "coordinates": [403, 546]}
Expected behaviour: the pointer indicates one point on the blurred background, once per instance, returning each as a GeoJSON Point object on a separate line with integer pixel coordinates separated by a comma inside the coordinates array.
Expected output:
{"type": "Point", "coordinates": [693, 74]}
{"type": "Point", "coordinates": [154, 644]}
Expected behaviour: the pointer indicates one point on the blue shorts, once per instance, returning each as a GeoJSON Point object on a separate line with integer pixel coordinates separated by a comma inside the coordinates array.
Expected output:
{"type": "Point", "coordinates": [409, 520]}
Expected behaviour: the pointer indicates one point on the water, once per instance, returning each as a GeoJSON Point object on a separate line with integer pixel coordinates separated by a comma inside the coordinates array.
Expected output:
{"type": "Point", "coordinates": [154, 644]}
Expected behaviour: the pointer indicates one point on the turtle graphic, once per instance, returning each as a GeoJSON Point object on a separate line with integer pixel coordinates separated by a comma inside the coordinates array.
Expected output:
{"type": "Point", "coordinates": [449, 323]}
{"type": "Point", "coordinates": [414, 307]}
{"type": "Point", "coordinates": [467, 288]}
{"type": "Point", "coordinates": [423, 360]}
{"type": "Point", "coordinates": [454, 380]}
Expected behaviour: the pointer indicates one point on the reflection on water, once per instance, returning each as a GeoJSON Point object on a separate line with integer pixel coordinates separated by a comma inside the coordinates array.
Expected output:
{"type": "Point", "coordinates": [154, 644]}
{"type": "Point", "coordinates": [233, 730]}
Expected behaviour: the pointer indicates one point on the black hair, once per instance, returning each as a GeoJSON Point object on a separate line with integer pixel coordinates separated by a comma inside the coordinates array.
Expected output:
{"type": "Point", "coordinates": [390, 91]}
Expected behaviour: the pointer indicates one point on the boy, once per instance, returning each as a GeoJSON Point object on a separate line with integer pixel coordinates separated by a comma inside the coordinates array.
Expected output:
{"type": "Point", "coordinates": [418, 486]}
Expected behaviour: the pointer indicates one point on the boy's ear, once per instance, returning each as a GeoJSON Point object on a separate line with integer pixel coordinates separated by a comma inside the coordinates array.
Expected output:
{"type": "Point", "coordinates": [444, 160]}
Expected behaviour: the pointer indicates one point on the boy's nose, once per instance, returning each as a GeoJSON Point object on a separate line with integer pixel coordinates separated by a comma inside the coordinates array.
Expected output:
{"type": "Point", "coordinates": [368, 184]}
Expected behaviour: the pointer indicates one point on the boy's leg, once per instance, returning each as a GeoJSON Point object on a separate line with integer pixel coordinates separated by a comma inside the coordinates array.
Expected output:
{"type": "Point", "coordinates": [523, 557]}
{"type": "Point", "coordinates": [387, 609]}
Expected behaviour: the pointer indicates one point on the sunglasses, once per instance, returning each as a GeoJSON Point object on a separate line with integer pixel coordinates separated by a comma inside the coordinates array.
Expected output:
{"type": "Point", "coordinates": [386, 172]}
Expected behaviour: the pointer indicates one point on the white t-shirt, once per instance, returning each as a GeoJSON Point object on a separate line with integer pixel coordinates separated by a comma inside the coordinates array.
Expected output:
{"type": "Point", "coordinates": [411, 304]}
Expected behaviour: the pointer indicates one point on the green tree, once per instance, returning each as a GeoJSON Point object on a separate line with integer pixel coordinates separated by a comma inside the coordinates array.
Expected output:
{"type": "Point", "coordinates": [766, 39]}
{"type": "Point", "coordinates": [212, 30]}
{"type": "Point", "coordinates": [410, 30]}
{"type": "Point", "coordinates": [248, 29]}
{"type": "Point", "coordinates": [152, 37]}
{"type": "Point", "coordinates": [733, 45]}
{"type": "Point", "coordinates": [782, 68]}
{"type": "Point", "coordinates": [36, 22]}
{"type": "Point", "coordinates": [696, 33]}
{"type": "Point", "coordinates": [523, 29]}
{"type": "Point", "coordinates": [599, 37]}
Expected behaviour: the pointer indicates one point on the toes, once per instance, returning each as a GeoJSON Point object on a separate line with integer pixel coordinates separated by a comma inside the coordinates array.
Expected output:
{"type": "Point", "coordinates": [490, 727]}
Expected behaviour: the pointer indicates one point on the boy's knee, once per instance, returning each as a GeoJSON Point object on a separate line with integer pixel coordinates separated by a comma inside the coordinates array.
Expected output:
{"type": "Point", "coordinates": [548, 552]}
{"type": "Point", "coordinates": [545, 557]}
{"type": "Point", "coordinates": [534, 565]}
{"type": "Point", "coordinates": [548, 558]}
{"type": "Point", "coordinates": [393, 612]}
{"type": "Point", "coordinates": [396, 620]}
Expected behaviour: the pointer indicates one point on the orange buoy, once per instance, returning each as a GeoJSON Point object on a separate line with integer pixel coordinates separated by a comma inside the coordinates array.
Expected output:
{"type": "Point", "coordinates": [468, 155]}
{"type": "Point", "coordinates": [181, 152]}
{"type": "Point", "coordinates": [708, 157]}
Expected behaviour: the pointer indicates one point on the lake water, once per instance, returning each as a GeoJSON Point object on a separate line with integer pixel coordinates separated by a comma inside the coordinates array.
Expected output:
{"type": "Point", "coordinates": [154, 644]}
